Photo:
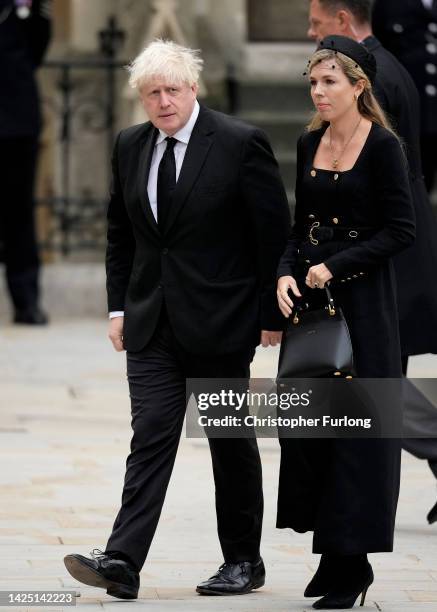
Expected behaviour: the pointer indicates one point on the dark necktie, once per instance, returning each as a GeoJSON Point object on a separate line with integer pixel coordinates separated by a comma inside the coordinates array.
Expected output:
{"type": "Point", "coordinates": [166, 182]}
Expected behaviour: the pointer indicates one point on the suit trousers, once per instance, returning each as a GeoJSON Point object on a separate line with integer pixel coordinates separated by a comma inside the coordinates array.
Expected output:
{"type": "Point", "coordinates": [157, 378]}
{"type": "Point", "coordinates": [18, 158]}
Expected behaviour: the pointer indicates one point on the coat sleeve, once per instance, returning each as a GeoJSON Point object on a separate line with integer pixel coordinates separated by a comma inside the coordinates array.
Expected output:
{"type": "Point", "coordinates": [288, 260]}
{"type": "Point", "coordinates": [120, 248]}
{"type": "Point", "coordinates": [395, 207]}
{"type": "Point", "coordinates": [266, 200]}
{"type": "Point", "coordinates": [38, 30]}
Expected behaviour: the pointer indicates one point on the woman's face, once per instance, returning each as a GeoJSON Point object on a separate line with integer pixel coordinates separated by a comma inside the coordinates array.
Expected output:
{"type": "Point", "coordinates": [331, 91]}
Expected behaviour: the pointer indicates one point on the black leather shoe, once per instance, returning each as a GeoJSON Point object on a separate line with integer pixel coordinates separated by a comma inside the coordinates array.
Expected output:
{"type": "Point", "coordinates": [104, 570]}
{"type": "Point", "coordinates": [234, 579]}
{"type": "Point", "coordinates": [348, 586]}
{"type": "Point", "coordinates": [432, 514]}
{"type": "Point", "coordinates": [322, 580]}
{"type": "Point", "coordinates": [31, 316]}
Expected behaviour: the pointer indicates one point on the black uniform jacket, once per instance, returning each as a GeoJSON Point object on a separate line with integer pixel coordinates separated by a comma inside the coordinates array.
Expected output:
{"type": "Point", "coordinates": [22, 46]}
{"type": "Point", "coordinates": [214, 264]}
{"type": "Point", "coordinates": [409, 30]}
{"type": "Point", "coordinates": [417, 297]}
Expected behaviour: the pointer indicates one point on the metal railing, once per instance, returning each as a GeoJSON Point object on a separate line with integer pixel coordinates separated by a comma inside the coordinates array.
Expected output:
{"type": "Point", "coordinates": [77, 218]}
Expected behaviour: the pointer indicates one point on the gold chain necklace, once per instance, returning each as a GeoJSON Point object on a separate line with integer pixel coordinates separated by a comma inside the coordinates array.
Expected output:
{"type": "Point", "coordinates": [336, 160]}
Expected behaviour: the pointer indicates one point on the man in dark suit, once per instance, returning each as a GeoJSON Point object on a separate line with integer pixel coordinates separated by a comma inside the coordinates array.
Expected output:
{"type": "Point", "coordinates": [198, 219]}
{"type": "Point", "coordinates": [417, 296]}
{"type": "Point", "coordinates": [24, 36]}
{"type": "Point", "coordinates": [409, 30]}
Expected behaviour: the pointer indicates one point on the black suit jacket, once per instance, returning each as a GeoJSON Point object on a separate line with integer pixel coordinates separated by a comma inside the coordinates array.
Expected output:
{"type": "Point", "coordinates": [214, 264]}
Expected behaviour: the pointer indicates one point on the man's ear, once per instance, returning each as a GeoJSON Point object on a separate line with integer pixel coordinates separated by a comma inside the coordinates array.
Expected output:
{"type": "Point", "coordinates": [344, 20]}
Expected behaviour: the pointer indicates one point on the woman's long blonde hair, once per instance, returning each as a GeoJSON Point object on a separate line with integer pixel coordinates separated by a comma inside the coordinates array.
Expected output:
{"type": "Point", "coordinates": [368, 106]}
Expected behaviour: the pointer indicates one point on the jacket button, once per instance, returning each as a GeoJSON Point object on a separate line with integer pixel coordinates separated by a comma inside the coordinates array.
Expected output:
{"type": "Point", "coordinates": [165, 251]}
{"type": "Point", "coordinates": [335, 220]}
{"type": "Point", "coordinates": [313, 173]}
{"type": "Point", "coordinates": [311, 217]}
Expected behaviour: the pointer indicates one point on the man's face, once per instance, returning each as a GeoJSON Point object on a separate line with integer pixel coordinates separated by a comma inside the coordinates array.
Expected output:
{"type": "Point", "coordinates": [168, 105]}
{"type": "Point", "coordinates": [323, 23]}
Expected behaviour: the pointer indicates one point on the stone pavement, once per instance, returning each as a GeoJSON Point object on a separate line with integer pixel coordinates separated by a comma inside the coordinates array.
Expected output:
{"type": "Point", "coordinates": [64, 436]}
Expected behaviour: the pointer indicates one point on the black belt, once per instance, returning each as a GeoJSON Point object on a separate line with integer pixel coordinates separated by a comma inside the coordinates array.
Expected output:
{"type": "Point", "coordinates": [321, 233]}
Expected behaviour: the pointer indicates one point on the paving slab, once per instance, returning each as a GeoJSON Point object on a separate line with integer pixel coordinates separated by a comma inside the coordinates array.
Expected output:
{"type": "Point", "coordinates": [64, 437]}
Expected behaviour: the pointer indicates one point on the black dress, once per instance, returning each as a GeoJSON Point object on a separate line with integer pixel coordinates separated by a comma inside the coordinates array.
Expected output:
{"type": "Point", "coordinates": [346, 491]}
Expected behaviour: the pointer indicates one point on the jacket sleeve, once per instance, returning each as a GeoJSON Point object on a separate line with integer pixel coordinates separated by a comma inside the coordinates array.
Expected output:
{"type": "Point", "coordinates": [266, 200]}
{"type": "Point", "coordinates": [120, 248]}
{"type": "Point", "coordinates": [395, 207]}
{"type": "Point", "coordinates": [289, 257]}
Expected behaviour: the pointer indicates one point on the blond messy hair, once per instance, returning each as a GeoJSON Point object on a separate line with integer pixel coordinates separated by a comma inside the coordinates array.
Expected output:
{"type": "Point", "coordinates": [168, 60]}
{"type": "Point", "coordinates": [368, 106]}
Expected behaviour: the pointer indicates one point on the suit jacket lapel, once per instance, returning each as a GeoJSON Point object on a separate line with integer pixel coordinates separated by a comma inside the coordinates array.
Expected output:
{"type": "Point", "coordinates": [145, 160]}
{"type": "Point", "coordinates": [195, 156]}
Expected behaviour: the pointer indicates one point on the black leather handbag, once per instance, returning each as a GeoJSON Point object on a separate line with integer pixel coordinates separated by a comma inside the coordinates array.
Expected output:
{"type": "Point", "coordinates": [316, 344]}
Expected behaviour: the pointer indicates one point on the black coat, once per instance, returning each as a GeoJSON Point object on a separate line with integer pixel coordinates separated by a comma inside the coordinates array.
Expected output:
{"type": "Point", "coordinates": [346, 490]}
{"type": "Point", "coordinates": [22, 46]}
{"type": "Point", "coordinates": [409, 31]}
{"type": "Point", "coordinates": [417, 296]}
{"type": "Point", "coordinates": [214, 265]}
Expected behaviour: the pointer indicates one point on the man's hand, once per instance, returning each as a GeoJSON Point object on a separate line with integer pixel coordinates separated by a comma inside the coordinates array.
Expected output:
{"type": "Point", "coordinates": [318, 276]}
{"type": "Point", "coordinates": [285, 303]}
{"type": "Point", "coordinates": [270, 338]}
{"type": "Point", "coordinates": [116, 333]}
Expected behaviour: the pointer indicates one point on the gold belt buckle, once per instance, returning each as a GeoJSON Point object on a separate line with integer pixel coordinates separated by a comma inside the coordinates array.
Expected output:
{"type": "Point", "coordinates": [310, 235]}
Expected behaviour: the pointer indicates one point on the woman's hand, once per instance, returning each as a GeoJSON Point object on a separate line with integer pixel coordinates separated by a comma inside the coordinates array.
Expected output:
{"type": "Point", "coordinates": [318, 276]}
{"type": "Point", "coordinates": [285, 303]}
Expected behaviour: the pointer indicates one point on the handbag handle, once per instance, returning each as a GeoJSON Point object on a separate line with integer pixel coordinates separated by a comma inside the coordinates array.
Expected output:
{"type": "Point", "coordinates": [331, 305]}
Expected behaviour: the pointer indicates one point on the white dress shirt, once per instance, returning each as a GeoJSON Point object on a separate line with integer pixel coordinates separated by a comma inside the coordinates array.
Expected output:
{"type": "Point", "coordinates": [183, 137]}
{"type": "Point", "coordinates": [427, 3]}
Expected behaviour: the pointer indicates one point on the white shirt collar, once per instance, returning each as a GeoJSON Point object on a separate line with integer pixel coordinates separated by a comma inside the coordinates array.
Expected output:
{"type": "Point", "coordinates": [184, 134]}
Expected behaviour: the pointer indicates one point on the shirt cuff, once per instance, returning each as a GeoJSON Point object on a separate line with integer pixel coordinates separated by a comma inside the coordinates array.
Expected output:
{"type": "Point", "coordinates": [116, 313]}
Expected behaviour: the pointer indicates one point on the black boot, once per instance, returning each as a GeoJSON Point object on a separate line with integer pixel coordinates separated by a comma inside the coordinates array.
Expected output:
{"type": "Point", "coordinates": [107, 571]}
{"type": "Point", "coordinates": [351, 579]}
{"type": "Point", "coordinates": [31, 316]}
{"type": "Point", "coordinates": [322, 580]}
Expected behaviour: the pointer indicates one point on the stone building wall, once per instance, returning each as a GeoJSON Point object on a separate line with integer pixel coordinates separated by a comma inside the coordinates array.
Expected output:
{"type": "Point", "coordinates": [228, 32]}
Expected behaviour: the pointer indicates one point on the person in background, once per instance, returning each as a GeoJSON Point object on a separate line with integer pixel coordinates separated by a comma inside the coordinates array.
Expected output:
{"type": "Point", "coordinates": [416, 294]}
{"type": "Point", "coordinates": [24, 36]}
{"type": "Point", "coordinates": [408, 29]}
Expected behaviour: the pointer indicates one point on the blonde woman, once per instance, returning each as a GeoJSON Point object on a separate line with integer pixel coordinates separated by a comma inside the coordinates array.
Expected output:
{"type": "Point", "coordinates": [353, 213]}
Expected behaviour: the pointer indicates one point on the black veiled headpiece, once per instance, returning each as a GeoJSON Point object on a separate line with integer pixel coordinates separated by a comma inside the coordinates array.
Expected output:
{"type": "Point", "coordinates": [356, 51]}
